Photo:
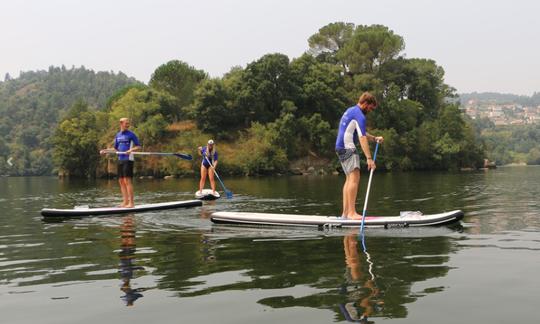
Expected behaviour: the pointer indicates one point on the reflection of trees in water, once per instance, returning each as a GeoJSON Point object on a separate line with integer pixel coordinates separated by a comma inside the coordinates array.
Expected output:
{"type": "Point", "coordinates": [181, 258]}
{"type": "Point", "coordinates": [288, 265]}
{"type": "Point", "coordinates": [127, 258]}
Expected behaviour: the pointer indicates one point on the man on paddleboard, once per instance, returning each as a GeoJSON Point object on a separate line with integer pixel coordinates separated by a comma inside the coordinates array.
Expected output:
{"type": "Point", "coordinates": [125, 141]}
{"type": "Point", "coordinates": [352, 130]}
{"type": "Point", "coordinates": [209, 163]}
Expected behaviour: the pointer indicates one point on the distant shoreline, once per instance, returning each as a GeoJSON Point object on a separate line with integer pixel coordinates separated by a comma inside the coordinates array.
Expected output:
{"type": "Point", "coordinates": [517, 165]}
{"type": "Point", "coordinates": [302, 174]}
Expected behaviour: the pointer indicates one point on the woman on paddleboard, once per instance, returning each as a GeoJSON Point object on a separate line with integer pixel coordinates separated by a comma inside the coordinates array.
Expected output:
{"type": "Point", "coordinates": [352, 130]}
{"type": "Point", "coordinates": [125, 141]}
{"type": "Point", "coordinates": [208, 165]}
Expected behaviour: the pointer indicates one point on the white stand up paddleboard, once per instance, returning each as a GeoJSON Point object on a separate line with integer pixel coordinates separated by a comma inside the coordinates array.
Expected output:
{"type": "Point", "coordinates": [206, 194]}
{"type": "Point", "coordinates": [87, 211]}
{"type": "Point", "coordinates": [407, 219]}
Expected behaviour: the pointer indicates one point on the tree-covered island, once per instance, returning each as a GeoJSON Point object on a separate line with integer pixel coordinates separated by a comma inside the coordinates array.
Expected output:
{"type": "Point", "coordinates": [268, 117]}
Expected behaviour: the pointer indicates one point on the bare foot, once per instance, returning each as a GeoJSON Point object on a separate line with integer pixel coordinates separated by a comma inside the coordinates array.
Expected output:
{"type": "Point", "coordinates": [355, 217]}
{"type": "Point", "coordinates": [130, 206]}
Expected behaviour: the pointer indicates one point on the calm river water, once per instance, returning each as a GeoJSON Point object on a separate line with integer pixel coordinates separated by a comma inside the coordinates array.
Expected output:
{"type": "Point", "coordinates": [177, 267]}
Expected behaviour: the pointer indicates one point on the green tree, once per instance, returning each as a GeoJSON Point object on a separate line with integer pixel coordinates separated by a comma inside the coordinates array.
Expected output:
{"type": "Point", "coordinates": [121, 92]}
{"type": "Point", "coordinates": [369, 48]}
{"type": "Point", "coordinates": [403, 115]}
{"type": "Point", "coordinates": [320, 88]}
{"type": "Point", "coordinates": [329, 41]}
{"type": "Point", "coordinates": [4, 149]}
{"type": "Point", "coordinates": [512, 144]}
{"type": "Point", "coordinates": [533, 157]}
{"type": "Point", "coordinates": [41, 162]}
{"type": "Point", "coordinates": [178, 79]}
{"type": "Point", "coordinates": [266, 83]}
{"type": "Point", "coordinates": [259, 153]}
{"type": "Point", "coordinates": [426, 85]}
{"type": "Point", "coordinates": [317, 134]}
{"type": "Point", "coordinates": [150, 112]}
{"type": "Point", "coordinates": [211, 108]}
{"type": "Point", "coordinates": [285, 129]}
{"type": "Point", "coordinates": [76, 143]}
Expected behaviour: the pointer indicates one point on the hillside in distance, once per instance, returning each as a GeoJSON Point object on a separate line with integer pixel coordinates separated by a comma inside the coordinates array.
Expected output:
{"type": "Point", "coordinates": [500, 98]}
{"type": "Point", "coordinates": [32, 104]}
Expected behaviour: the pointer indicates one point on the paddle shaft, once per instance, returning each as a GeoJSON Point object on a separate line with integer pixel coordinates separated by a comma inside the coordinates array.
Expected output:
{"type": "Point", "coordinates": [364, 211]}
{"type": "Point", "coordinates": [145, 153]}
{"type": "Point", "coordinates": [180, 155]}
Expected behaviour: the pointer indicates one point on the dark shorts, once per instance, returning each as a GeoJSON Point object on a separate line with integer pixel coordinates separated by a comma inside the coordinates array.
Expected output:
{"type": "Point", "coordinates": [125, 169]}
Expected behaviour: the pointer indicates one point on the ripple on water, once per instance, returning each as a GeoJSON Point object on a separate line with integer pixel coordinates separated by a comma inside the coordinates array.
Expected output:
{"type": "Point", "coordinates": [501, 220]}
{"type": "Point", "coordinates": [507, 240]}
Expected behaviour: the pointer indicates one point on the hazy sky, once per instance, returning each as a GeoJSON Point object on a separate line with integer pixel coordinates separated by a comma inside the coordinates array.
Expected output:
{"type": "Point", "coordinates": [483, 45]}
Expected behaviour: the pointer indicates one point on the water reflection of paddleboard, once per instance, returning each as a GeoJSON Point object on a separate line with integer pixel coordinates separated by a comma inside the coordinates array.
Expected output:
{"type": "Point", "coordinates": [207, 194]}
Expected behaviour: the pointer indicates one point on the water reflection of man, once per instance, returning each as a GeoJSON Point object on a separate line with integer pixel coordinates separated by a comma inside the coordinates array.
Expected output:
{"type": "Point", "coordinates": [127, 256]}
{"type": "Point", "coordinates": [364, 302]}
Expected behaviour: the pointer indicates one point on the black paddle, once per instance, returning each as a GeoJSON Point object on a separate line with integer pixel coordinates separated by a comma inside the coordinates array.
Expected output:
{"type": "Point", "coordinates": [179, 155]}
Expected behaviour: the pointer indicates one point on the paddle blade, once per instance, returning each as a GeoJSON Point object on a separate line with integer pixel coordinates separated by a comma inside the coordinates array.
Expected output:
{"type": "Point", "coordinates": [183, 156]}
{"type": "Point", "coordinates": [229, 194]}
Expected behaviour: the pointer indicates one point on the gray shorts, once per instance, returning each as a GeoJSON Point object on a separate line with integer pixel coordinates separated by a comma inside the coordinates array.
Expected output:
{"type": "Point", "coordinates": [349, 159]}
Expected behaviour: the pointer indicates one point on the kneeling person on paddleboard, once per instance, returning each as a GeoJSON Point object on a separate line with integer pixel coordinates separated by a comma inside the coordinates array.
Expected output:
{"type": "Point", "coordinates": [352, 129]}
{"type": "Point", "coordinates": [209, 163]}
{"type": "Point", "coordinates": [125, 141]}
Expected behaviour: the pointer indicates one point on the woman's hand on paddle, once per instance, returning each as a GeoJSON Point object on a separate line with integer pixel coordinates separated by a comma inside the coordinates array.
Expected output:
{"type": "Point", "coordinates": [379, 139]}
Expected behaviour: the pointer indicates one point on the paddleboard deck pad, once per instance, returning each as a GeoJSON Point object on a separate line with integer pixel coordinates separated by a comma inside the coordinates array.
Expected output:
{"type": "Point", "coordinates": [207, 194]}
{"type": "Point", "coordinates": [410, 219]}
{"type": "Point", "coordinates": [87, 211]}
